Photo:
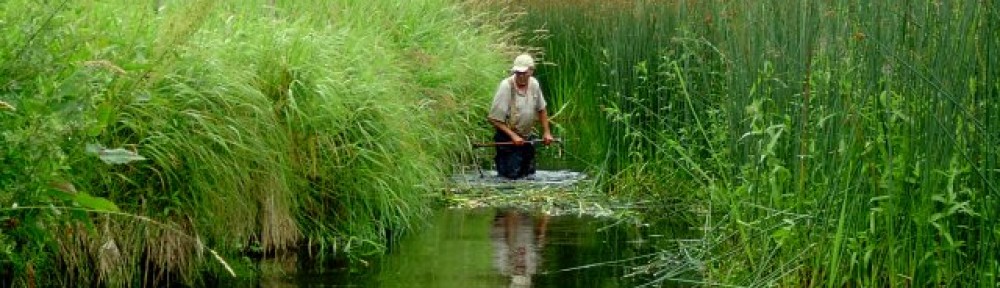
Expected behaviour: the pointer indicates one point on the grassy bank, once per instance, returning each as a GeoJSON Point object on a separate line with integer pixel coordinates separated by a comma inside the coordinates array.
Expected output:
{"type": "Point", "coordinates": [832, 143]}
{"type": "Point", "coordinates": [138, 136]}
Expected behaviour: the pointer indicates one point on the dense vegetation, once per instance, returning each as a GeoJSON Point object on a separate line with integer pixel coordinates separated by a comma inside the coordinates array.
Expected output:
{"type": "Point", "coordinates": [141, 141]}
{"type": "Point", "coordinates": [813, 143]}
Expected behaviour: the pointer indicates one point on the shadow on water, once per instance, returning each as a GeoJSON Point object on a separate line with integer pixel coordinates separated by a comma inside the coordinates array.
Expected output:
{"type": "Point", "coordinates": [500, 247]}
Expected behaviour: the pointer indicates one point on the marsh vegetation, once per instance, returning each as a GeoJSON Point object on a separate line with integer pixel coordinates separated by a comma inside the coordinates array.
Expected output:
{"type": "Point", "coordinates": [815, 143]}
{"type": "Point", "coordinates": [138, 135]}
{"type": "Point", "coordinates": [808, 143]}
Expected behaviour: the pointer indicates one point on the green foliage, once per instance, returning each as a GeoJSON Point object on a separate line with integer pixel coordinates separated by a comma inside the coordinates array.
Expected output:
{"type": "Point", "coordinates": [248, 127]}
{"type": "Point", "coordinates": [817, 144]}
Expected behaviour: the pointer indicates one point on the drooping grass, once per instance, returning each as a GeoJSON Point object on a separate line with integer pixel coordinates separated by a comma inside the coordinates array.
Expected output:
{"type": "Point", "coordinates": [831, 143]}
{"type": "Point", "coordinates": [266, 128]}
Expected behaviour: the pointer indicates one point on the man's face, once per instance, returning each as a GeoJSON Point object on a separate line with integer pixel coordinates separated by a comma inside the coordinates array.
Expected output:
{"type": "Point", "coordinates": [522, 77]}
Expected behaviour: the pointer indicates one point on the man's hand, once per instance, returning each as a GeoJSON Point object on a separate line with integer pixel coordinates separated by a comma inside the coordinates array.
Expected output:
{"type": "Point", "coordinates": [547, 138]}
{"type": "Point", "coordinates": [518, 141]}
{"type": "Point", "coordinates": [514, 138]}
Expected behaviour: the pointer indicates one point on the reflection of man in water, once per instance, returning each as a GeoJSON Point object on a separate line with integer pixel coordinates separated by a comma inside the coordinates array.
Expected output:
{"type": "Point", "coordinates": [517, 241]}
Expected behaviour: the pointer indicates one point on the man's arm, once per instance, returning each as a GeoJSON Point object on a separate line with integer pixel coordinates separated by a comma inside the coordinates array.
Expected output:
{"type": "Point", "coordinates": [518, 141]}
{"type": "Point", "coordinates": [543, 116]}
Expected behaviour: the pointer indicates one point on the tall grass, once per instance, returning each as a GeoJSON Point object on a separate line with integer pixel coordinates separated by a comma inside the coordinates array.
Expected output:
{"type": "Point", "coordinates": [832, 143]}
{"type": "Point", "coordinates": [266, 127]}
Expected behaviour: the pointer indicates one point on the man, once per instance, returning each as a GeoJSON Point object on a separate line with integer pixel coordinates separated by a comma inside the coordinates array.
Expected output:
{"type": "Point", "coordinates": [517, 106]}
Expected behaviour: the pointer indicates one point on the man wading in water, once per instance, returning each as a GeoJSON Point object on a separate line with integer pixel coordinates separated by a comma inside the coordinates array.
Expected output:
{"type": "Point", "coordinates": [517, 106]}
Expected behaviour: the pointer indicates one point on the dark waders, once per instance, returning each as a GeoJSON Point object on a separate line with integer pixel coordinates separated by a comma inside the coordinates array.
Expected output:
{"type": "Point", "coordinates": [513, 162]}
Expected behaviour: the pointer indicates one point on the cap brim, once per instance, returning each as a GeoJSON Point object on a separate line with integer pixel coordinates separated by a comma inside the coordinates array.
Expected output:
{"type": "Point", "coordinates": [520, 68]}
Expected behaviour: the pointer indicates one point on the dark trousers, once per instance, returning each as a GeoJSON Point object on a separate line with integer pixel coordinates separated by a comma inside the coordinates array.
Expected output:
{"type": "Point", "coordinates": [513, 162]}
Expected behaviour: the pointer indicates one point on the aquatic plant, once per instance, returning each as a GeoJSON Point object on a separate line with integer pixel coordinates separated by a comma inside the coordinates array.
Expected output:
{"type": "Point", "coordinates": [831, 143]}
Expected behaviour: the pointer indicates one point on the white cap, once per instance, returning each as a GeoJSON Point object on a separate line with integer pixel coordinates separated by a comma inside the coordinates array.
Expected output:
{"type": "Point", "coordinates": [522, 63]}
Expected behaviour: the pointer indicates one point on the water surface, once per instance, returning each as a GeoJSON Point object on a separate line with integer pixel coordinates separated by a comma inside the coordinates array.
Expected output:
{"type": "Point", "coordinates": [545, 233]}
{"type": "Point", "coordinates": [499, 247]}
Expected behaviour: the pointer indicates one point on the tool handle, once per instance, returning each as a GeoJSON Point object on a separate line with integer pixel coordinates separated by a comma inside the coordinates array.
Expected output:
{"type": "Point", "coordinates": [511, 143]}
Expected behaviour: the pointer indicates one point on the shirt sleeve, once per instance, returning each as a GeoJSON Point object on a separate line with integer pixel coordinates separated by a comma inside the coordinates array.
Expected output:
{"type": "Point", "coordinates": [540, 104]}
{"type": "Point", "coordinates": [498, 110]}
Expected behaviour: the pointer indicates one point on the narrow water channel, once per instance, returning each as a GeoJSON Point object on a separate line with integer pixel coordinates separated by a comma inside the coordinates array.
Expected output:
{"type": "Point", "coordinates": [497, 235]}
{"type": "Point", "coordinates": [497, 247]}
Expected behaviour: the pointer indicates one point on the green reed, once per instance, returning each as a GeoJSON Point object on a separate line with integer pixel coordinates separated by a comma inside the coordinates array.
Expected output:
{"type": "Point", "coordinates": [823, 143]}
{"type": "Point", "coordinates": [266, 127]}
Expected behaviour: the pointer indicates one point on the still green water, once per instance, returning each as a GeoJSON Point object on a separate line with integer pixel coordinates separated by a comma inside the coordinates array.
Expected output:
{"type": "Point", "coordinates": [496, 247]}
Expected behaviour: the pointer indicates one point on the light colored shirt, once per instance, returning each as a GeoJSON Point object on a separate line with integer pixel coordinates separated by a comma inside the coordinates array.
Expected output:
{"type": "Point", "coordinates": [526, 106]}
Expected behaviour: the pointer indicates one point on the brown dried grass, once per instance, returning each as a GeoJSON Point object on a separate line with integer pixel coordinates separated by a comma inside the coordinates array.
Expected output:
{"type": "Point", "coordinates": [278, 228]}
{"type": "Point", "coordinates": [104, 254]}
